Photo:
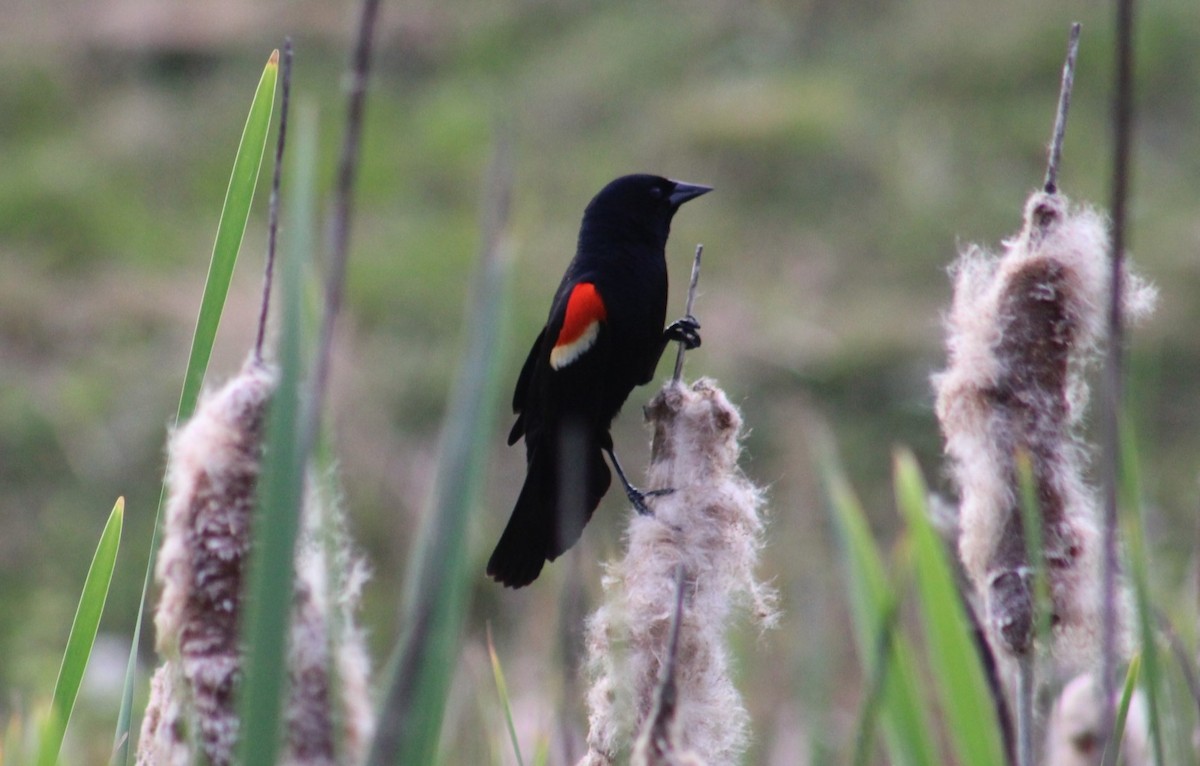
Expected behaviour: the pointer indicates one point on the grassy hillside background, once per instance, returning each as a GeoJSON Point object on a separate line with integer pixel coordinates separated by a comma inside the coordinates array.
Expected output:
{"type": "Point", "coordinates": [853, 146]}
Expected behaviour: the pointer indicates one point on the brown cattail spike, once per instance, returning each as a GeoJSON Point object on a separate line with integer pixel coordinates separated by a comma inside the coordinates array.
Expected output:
{"type": "Point", "coordinates": [1022, 330]}
{"type": "Point", "coordinates": [212, 473]}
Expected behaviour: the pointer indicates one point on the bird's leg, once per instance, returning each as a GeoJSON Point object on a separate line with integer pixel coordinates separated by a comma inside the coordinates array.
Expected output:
{"type": "Point", "coordinates": [636, 496]}
{"type": "Point", "coordinates": [685, 331]}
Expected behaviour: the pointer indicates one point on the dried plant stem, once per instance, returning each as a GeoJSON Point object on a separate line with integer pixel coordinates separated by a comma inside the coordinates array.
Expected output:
{"type": "Point", "coordinates": [691, 298]}
{"type": "Point", "coordinates": [1064, 104]}
{"type": "Point", "coordinates": [273, 212]}
{"type": "Point", "coordinates": [339, 225]}
{"type": "Point", "coordinates": [656, 745]}
{"type": "Point", "coordinates": [1113, 367]}
{"type": "Point", "coordinates": [1025, 697]}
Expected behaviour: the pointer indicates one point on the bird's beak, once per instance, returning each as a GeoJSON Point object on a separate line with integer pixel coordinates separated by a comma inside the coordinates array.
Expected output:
{"type": "Point", "coordinates": [684, 192]}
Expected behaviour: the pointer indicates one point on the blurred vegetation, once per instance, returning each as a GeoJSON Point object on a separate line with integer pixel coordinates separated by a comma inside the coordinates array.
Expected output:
{"type": "Point", "coordinates": [852, 144]}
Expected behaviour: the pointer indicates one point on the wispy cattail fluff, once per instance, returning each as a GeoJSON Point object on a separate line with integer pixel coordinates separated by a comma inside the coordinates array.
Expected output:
{"type": "Point", "coordinates": [1073, 734]}
{"type": "Point", "coordinates": [329, 700]}
{"type": "Point", "coordinates": [213, 468]}
{"type": "Point", "coordinates": [164, 740]}
{"type": "Point", "coordinates": [711, 525]}
{"type": "Point", "coordinates": [1022, 330]}
{"type": "Point", "coordinates": [213, 471]}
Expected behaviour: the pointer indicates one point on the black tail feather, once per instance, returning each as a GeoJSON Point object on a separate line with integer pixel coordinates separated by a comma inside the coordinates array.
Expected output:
{"type": "Point", "coordinates": [546, 522]}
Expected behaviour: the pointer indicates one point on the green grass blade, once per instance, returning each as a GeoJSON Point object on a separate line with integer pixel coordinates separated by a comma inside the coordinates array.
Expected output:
{"type": "Point", "coordinates": [281, 488]}
{"type": "Point", "coordinates": [230, 230]}
{"type": "Point", "coordinates": [907, 731]}
{"type": "Point", "coordinates": [82, 637]}
{"type": "Point", "coordinates": [1026, 686]}
{"type": "Point", "coordinates": [436, 586]}
{"type": "Point", "coordinates": [1031, 523]}
{"type": "Point", "coordinates": [1114, 742]}
{"type": "Point", "coordinates": [970, 711]}
{"type": "Point", "coordinates": [1131, 503]}
{"type": "Point", "coordinates": [502, 690]}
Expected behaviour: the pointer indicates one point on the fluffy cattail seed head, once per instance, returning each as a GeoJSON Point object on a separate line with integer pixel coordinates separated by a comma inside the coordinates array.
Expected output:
{"type": "Point", "coordinates": [213, 470]}
{"type": "Point", "coordinates": [711, 526]}
{"type": "Point", "coordinates": [213, 467]}
{"type": "Point", "coordinates": [165, 739]}
{"type": "Point", "coordinates": [1073, 735]}
{"type": "Point", "coordinates": [329, 716]}
{"type": "Point", "coordinates": [1022, 330]}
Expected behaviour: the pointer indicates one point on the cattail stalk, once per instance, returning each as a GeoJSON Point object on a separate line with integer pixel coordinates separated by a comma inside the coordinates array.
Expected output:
{"type": "Point", "coordinates": [711, 526]}
{"type": "Point", "coordinates": [285, 86]}
{"type": "Point", "coordinates": [1114, 361]}
{"type": "Point", "coordinates": [656, 743]}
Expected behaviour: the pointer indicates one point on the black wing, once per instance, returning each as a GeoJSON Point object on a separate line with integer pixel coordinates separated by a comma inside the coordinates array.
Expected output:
{"type": "Point", "coordinates": [522, 389]}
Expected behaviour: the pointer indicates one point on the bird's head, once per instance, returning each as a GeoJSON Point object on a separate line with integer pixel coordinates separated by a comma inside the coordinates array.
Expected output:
{"type": "Point", "coordinates": [640, 202]}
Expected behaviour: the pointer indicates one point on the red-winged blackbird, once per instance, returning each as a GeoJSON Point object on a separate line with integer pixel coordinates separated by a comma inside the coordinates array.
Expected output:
{"type": "Point", "coordinates": [604, 336]}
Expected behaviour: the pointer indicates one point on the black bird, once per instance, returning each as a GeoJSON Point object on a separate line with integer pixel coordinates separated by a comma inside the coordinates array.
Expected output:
{"type": "Point", "coordinates": [604, 336]}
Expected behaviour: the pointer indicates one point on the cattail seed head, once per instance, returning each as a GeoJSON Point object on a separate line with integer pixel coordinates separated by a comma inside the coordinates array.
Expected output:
{"type": "Point", "coordinates": [214, 464]}
{"type": "Point", "coordinates": [329, 717]}
{"type": "Point", "coordinates": [165, 737]}
{"type": "Point", "coordinates": [212, 472]}
{"type": "Point", "coordinates": [712, 526]}
{"type": "Point", "coordinates": [1073, 732]}
{"type": "Point", "coordinates": [1022, 331]}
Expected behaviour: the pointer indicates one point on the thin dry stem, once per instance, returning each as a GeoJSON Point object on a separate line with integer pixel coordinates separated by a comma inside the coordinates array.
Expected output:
{"type": "Point", "coordinates": [1114, 361]}
{"type": "Point", "coordinates": [273, 211]}
{"type": "Point", "coordinates": [339, 227]}
{"type": "Point", "coordinates": [656, 745]}
{"type": "Point", "coordinates": [691, 299]}
{"type": "Point", "coordinates": [1060, 116]}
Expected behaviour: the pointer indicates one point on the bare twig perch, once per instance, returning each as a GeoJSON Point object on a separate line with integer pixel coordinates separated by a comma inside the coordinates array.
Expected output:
{"type": "Point", "coordinates": [711, 526]}
{"type": "Point", "coordinates": [691, 299]}
{"type": "Point", "coordinates": [273, 209]}
{"type": "Point", "coordinates": [1060, 116]}
{"type": "Point", "coordinates": [655, 745]}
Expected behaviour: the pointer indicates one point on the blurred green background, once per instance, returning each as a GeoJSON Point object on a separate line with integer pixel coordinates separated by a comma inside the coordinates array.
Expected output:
{"type": "Point", "coordinates": [854, 145]}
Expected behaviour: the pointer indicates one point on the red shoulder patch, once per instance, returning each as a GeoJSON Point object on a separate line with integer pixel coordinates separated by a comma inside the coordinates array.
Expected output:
{"type": "Point", "coordinates": [581, 325]}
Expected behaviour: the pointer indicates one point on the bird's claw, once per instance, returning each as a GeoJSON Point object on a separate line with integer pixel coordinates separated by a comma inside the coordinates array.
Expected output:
{"type": "Point", "coordinates": [685, 331]}
{"type": "Point", "coordinates": [638, 498]}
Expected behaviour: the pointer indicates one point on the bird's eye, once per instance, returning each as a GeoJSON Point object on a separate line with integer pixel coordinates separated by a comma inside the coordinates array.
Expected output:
{"type": "Point", "coordinates": [656, 192]}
